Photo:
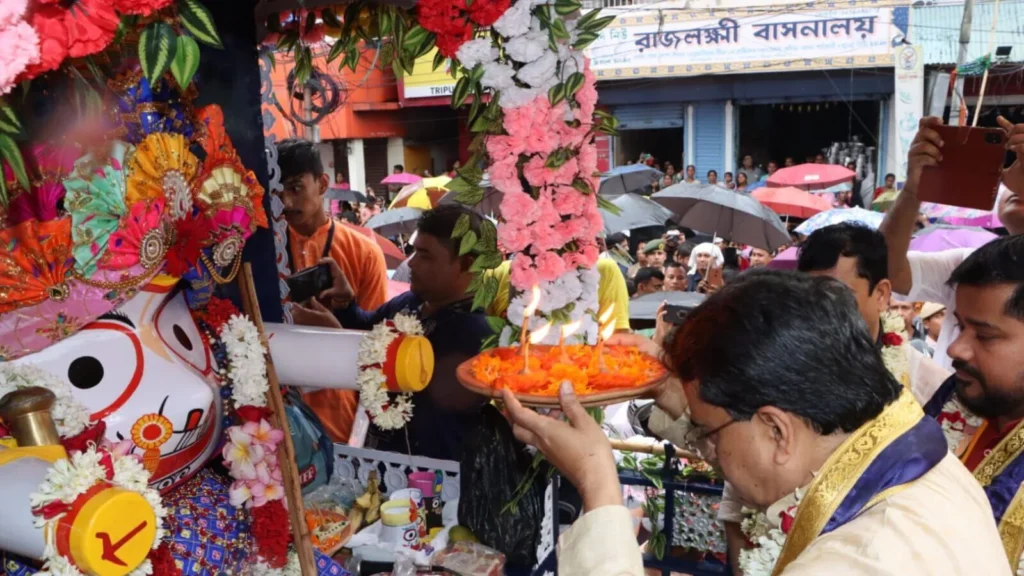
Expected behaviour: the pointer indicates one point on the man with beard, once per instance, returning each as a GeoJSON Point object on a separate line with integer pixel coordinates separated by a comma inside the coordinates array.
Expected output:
{"type": "Point", "coordinates": [445, 412]}
{"type": "Point", "coordinates": [981, 408]}
{"type": "Point", "coordinates": [922, 276]}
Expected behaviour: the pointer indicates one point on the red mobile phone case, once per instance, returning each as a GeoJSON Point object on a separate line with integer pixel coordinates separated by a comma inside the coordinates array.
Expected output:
{"type": "Point", "coordinates": [971, 167]}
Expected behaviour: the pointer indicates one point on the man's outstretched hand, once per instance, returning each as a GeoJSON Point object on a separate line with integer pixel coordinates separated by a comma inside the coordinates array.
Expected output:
{"type": "Point", "coordinates": [578, 448]}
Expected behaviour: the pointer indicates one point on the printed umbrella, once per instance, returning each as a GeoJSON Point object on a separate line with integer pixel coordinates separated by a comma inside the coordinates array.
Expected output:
{"type": "Point", "coordinates": [939, 237]}
{"type": "Point", "coordinates": [737, 217]}
{"type": "Point", "coordinates": [957, 216]}
{"type": "Point", "coordinates": [395, 222]}
{"type": "Point", "coordinates": [884, 201]}
{"type": "Point", "coordinates": [393, 255]}
{"type": "Point", "coordinates": [403, 179]}
{"type": "Point", "coordinates": [839, 215]}
{"type": "Point", "coordinates": [625, 179]}
{"type": "Point", "coordinates": [635, 211]}
{"type": "Point", "coordinates": [790, 201]}
{"type": "Point", "coordinates": [786, 260]}
{"type": "Point", "coordinates": [488, 206]}
{"type": "Point", "coordinates": [424, 194]}
{"type": "Point", "coordinates": [811, 176]}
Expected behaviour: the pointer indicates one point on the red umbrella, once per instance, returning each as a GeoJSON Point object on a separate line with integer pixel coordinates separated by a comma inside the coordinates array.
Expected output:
{"type": "Point", "coordinates": [393, 255]}
{"type": "Point", "coordinates": [811, 176]}
{"type": "Point", "coordinates": [790, 201]}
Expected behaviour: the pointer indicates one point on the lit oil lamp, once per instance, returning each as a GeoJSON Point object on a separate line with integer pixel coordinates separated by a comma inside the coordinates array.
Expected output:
{"type": "Point", "coordinates": [536, 337]}
{"type": "Point", "coordinates": [566, 331]}
{"type": "Point", "coordinates": [606, 325]}
{"type": "Point", "coordinates": [531, 308]}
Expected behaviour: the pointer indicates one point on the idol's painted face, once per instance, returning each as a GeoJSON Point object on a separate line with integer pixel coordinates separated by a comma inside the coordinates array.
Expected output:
{"type": "Point", "coordinates": [149, 374]}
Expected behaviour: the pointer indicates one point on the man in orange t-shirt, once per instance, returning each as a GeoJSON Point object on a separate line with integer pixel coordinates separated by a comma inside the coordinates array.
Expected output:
{"type": "Point", "coordinates": [312, 236]}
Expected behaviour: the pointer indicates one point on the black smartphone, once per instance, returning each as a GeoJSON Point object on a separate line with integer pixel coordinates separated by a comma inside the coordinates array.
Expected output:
{"type": "Point", "coordinates": [675, 314]}
{"type": "Point", "coordinates": [309, 283]}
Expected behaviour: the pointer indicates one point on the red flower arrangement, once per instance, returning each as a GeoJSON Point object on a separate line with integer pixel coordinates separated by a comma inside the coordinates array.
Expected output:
{"type": "Point", "coordinates": [892, 339]}
{"type": "Point", "coordinates": [447, 21]}
{"type": "Point", "coordinates": [48, 22]}
{"type": "Point", "coordinates": [253, 413]}
{"type": "Point", "coordinates": [218, 312]}
{"type": "Point", "coordinates": [92, 435]}
{"type": "Point", "coordinates": [190, 235]}
{"type": "Point", "coordinates": [163, 561]}
{"type": "Point", "coordinates": [271, 530]}
{"type": "Point", "coordinates": [485, 12]}
{"type": "Point", "coordinates": [142, 8]}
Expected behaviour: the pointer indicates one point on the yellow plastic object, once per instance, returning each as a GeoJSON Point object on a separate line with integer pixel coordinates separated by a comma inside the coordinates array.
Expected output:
{"type": "Point", "coordinates": [397, 512]}
{"type": "Point", "coordinates": [113, 533]}
{"type": "Point", "coordinates": [414, 364]}
{"type": "Point", "coordinates": [48, 453]}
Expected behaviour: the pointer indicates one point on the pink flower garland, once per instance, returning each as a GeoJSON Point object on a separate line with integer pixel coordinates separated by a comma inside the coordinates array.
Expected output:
{"type": "Point", "coordinates": [540, 230]}
{"type": "Point", "coordinates": [250, 455]}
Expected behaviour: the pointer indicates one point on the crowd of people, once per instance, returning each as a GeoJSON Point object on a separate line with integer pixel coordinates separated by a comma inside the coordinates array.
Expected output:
{"type": "Point", "coordinates": [777, 376]}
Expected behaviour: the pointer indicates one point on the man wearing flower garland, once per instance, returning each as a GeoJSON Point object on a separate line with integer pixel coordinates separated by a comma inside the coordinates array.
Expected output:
{"type": "Point", "coordinates": [445, 412]}
{"type": "Point", "coordinates": [792, 400]}
{"type": "Point", "coordinates": [312, 236]}
{"type": "Point", "coordinates": [981, 408]}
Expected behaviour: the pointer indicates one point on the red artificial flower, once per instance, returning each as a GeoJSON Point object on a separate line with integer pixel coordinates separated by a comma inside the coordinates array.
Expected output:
{"type": "Point", "coordinates": [92, 435]}
{"type": "Point", "coordinates": [253, 413]}
{"type": "Point", "coordinates": [48, 22]}
{"type": "Point", "coordinates": [448, 44]}
{"type": "Point", "coordinates": [163, 561]}
{"type": "Point", "coordinates": [892, 339]}
{"type": "Point", "coordinates": [218, 312]}
{"type": "Point", "coordinates": [142, 8]}
{"type": "Point", "coordinates": [191, 233]}
{"type": "Point", "coordinates": [788, 517]}
{"type": "Point", "coordinates": [446, 20]}
{"type": "Point", "coordinates": [92, 25]}
{"type": "Point", "coordinates": [271, 530]}
{"type": "Point", "coordinates": [487, 12]}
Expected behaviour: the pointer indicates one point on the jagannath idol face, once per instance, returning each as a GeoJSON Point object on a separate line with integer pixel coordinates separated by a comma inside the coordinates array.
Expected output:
{"type": "Point", "coordinates": [146, 370]}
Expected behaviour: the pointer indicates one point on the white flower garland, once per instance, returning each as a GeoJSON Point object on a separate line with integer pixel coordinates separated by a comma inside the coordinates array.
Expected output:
{"type": "Point", "coordinates": [764, 530]}
{"type": "Point", "coordinates": [895, 357]}
{"type": "Point", "coordinates": [70, 478]}
{"type": "Point", "coordinates": [955, 419]}
{"type": "Point", "coordinates": [247, 366]}
{"type": "Point", "coordinates": [386, 413]}
{"type": "Point", "coordinates": [70, 415]}
{"type": "Point", "coordinates": [292, 568]}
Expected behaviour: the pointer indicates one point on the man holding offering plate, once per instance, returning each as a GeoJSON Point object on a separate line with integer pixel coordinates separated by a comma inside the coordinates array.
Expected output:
{"type": "Point", "coordinates": [785, 391]}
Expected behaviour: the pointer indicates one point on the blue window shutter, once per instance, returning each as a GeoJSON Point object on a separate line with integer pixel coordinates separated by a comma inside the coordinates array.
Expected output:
{"type": "Point", "coordinates": [650, 116]}
{"type": "Point", "coordinates": [709, 138]}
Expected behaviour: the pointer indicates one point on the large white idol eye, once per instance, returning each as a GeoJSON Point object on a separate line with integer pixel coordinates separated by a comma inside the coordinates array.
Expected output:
{"type": "Point", "coordinates": [179, 332]}
{"type": "Point", "coordinates": [104, 364]}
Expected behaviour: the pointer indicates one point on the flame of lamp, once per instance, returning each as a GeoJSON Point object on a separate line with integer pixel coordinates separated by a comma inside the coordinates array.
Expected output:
{"type": "Point", "coordinates": [531, 308]}
{"type": "Point", "coordinates": [606, 315]}
{"type": "Point", "coordinates": [540, 334]}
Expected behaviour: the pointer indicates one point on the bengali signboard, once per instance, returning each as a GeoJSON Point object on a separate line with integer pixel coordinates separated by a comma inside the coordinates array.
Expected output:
{"type": "Point", "coordinates": [681, 42]}
{"type": "Point", "coordinates": [762, 39]}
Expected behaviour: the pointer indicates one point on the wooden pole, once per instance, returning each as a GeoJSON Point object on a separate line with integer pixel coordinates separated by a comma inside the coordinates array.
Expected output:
{"type": "Point", "coordinates": [286, 450]}
{"type": "Point", "coordinates": [653, 449]}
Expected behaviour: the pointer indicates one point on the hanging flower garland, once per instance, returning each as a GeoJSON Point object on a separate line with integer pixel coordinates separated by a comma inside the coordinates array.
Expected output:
{"type": "Point", "coordinates": [386, 411]}
{"type": "Point", "coordinates": [766, 532]}
{"type": "Point", "coordinates": [247, 365]}
{"type": "Point", "coordinates": [894, 355]}
{"type": "Point", "coordinates": [69, 479]}
{"type": "Point", "coordinates": [70, 416]}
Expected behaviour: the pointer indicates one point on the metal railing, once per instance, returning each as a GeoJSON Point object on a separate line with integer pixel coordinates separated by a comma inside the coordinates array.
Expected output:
{"type": "Point", "coordinates": [591, 4]}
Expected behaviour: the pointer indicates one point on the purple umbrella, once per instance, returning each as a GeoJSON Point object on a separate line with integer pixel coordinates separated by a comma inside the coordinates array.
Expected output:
{"type": "Point", "coordinates": [786, 260]}
{"type": "Point", "coordinates": [938, 238]}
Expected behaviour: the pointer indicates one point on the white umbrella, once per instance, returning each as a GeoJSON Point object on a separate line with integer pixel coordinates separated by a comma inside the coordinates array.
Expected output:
{"type": "Point", "coordinates": [737, 217]}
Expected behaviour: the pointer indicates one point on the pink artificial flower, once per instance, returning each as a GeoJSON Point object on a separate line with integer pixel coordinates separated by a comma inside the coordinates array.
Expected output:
{"type": "Point", "coordinates": [264, 434]}
{"type": "Point", "coordinates": [505, 176]}
{"type": "Point", "coordinates": [519, 206]}
{"type": "Point", "coordinates": [520, 121]}
{"type": "Point", "coordinates": [12, 11]}
{"type": "Point", "coordinates": [536, 173]}
{"type": "Point", "coordinates": [514, 237]}
{"type": "Point", "coordinates": [569, 201]}
{"type": "Point", "coordinates": [503, 147]}
{"type": "Point", "coordinates": [589, 253]}
{"type": "Point", "coordinates": [276, 475]}
{"type": "Point", "coordinates": [263, 471]}
{"type": "Point", "coordinates": [541, 139]}
{"type": "Point", "coordinates": [587, 95]}
{"type": "Point", "coordinates": [572, 228]}
{"type": "Point", "coordinates": [522, 274]}
{"type": "Point", "coordinates": [239, 493]}
{"type": "Point", "coordinates": [259, 494]}
{"type": "Point", "coordinates": [593, 216]}
{"type": "Point", "coordinates": [21, 50]}
{"type": "Point", "coordinates": [242, 454]}
{"type": "Point", "coordinates": [566, 173]}
{"type": "Point", "coordinates": [549, 266]}
{"type": "Point", "coordinates": [273, 491]}
{"type": "Point", "coordinates": [587, 159]}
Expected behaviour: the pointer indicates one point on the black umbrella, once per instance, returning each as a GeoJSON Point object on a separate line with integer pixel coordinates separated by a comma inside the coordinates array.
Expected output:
{"type": "Point", "coordinates": [737, 217]}
{"type": "Point", "coordinates": [345, 195]}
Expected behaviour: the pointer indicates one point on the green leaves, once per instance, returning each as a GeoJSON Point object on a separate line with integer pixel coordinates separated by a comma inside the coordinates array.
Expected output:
{"type": "Point", "coordinates": [438, 60]}
{"type": "Point", "coordinates": [604, 204]}
{"type": "Point", "coordinates": [582, 185]}
{"type": "Point", "coordinates": [303, 63]}
{"type": "Point", "coordinates": [566, 7]}
{"type": "Point", "coordinates": [486, 261]}
{"type": "Point", "coordinates": [606, 123]}
{"type": "Point", "coordinates": [157, 47]}
{"type": "Point", "coordinates": [461, 226]}
{"type": "Point", "coordinates": [588, 28]}
{"type": "Point", "coordinates": [199, 22]}
{"type": "Point", "coordinates": [489, 234]}
{"type": "Point", "coordinates": [467, 243]}
{"type": "Point", "coordinates": [336, 50]}
{"type": "Point", "coordinates": [186, 61]}
{"type": "Point", "coordinates": [9, 152]}
{"type": "Point", "coordinates": [461, 91]}
{"type": "Point", "coordinates": [584, 39]}
{"type": "Point", "coordinates": [496, 323]}
{"type": "Point", "coordinates": [573, 84]}
{"type": "Point", "coordinates": [557, 93]}
{"type": "Point", "coordinates": [484, 295]}
{"type": "Point", "coordinates": [8, 119]}
{"type": "Point", "coordinates": [558, 30]}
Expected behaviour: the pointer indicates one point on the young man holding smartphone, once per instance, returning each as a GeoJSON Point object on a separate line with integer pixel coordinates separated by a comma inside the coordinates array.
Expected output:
{"type": "Point", "coordinates": [313, 236]}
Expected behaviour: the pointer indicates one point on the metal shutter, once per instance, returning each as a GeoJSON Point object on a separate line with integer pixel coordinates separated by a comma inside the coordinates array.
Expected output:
{"type": "Point", "coordinates": [709, 138]}
{"type": "Point", "coordinates": [375, 158]}
{"type": "Point", "coordinates": [650, 116]}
